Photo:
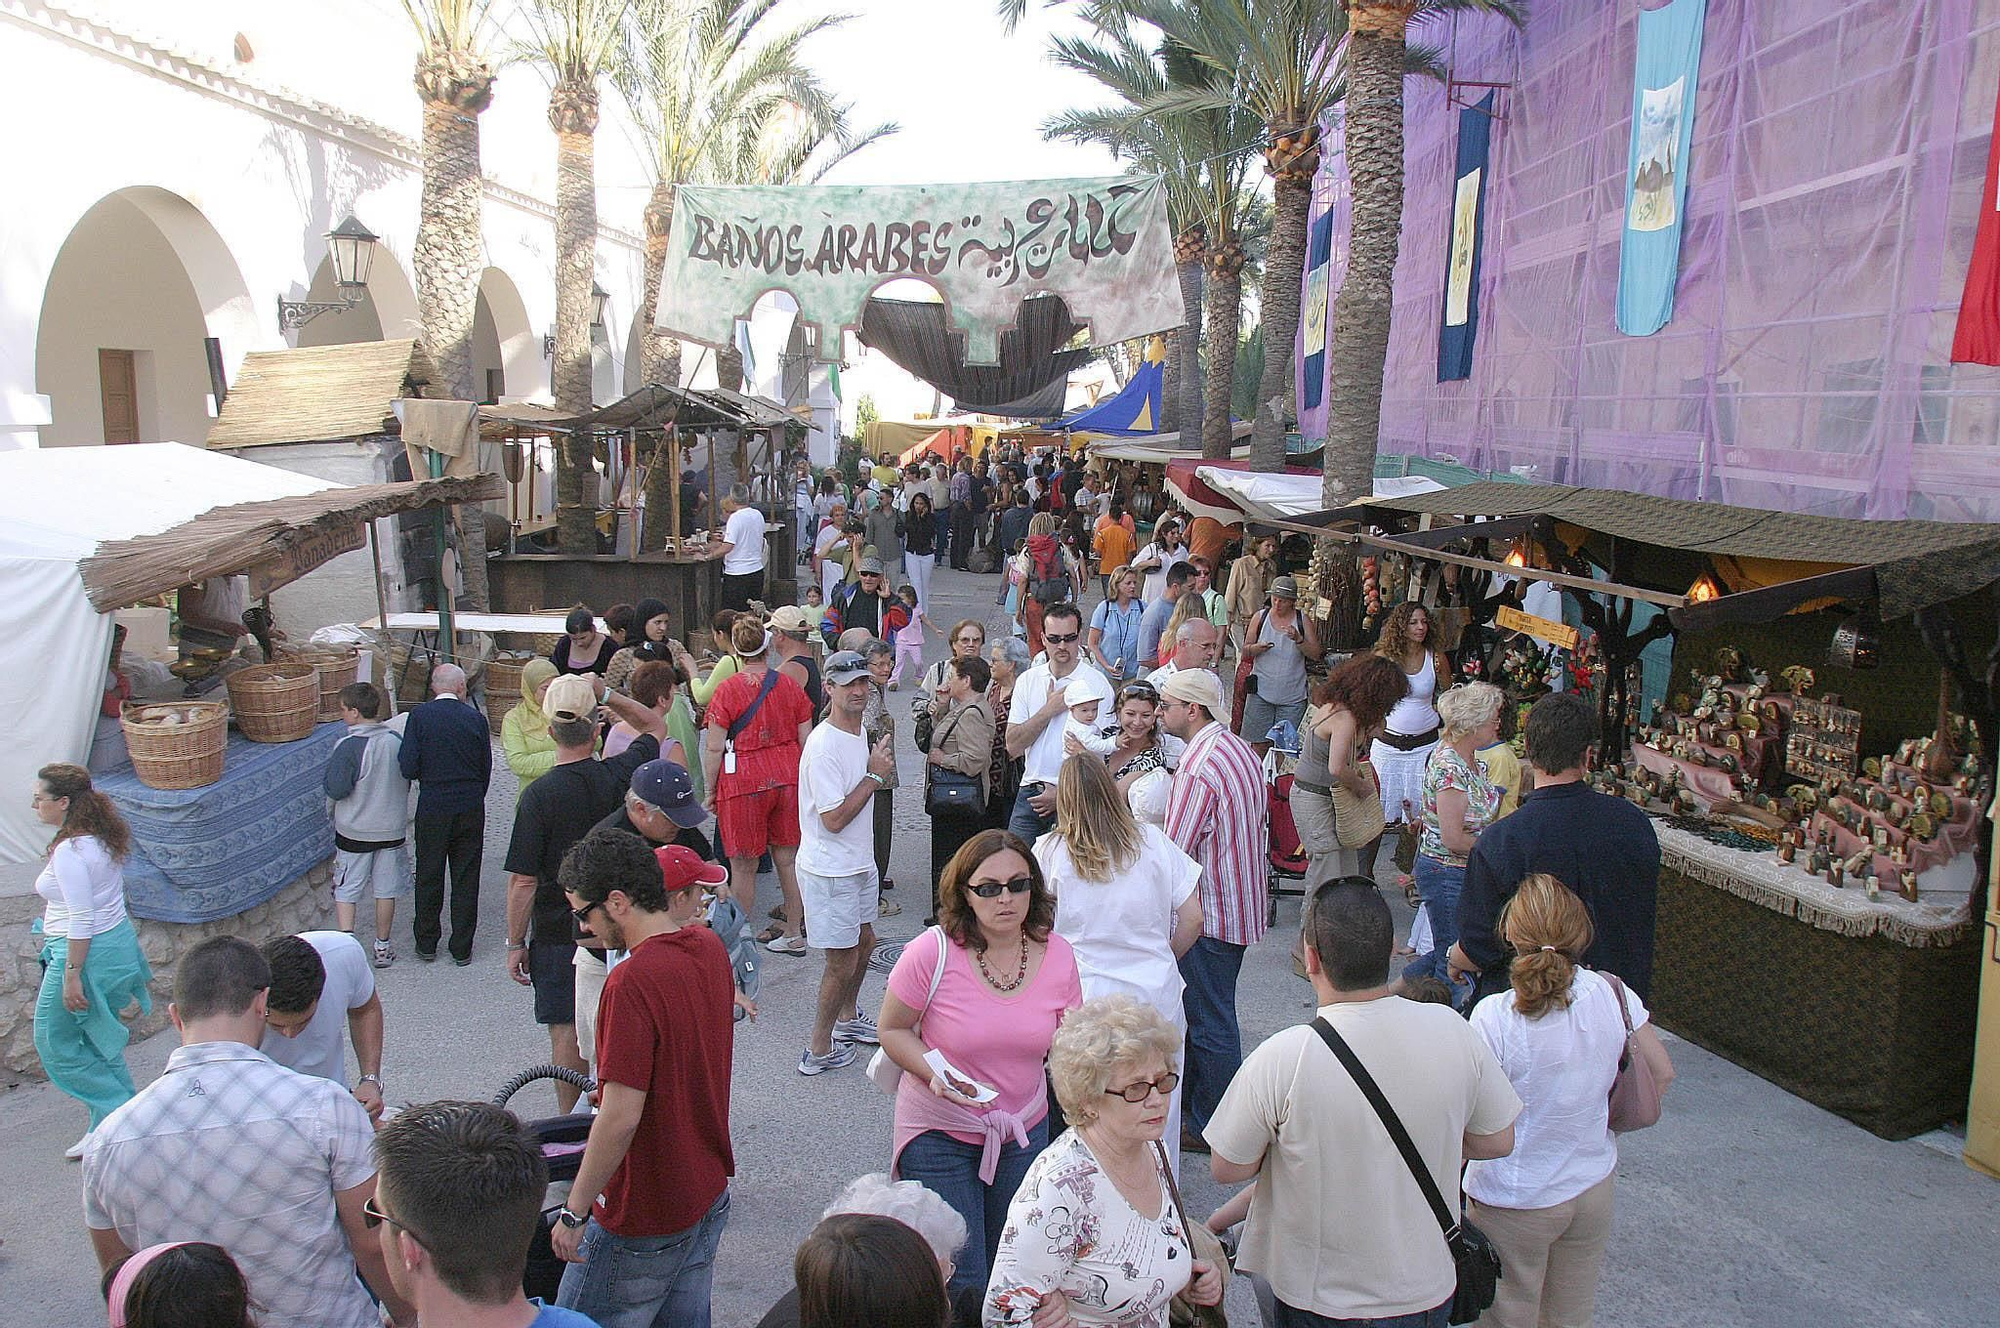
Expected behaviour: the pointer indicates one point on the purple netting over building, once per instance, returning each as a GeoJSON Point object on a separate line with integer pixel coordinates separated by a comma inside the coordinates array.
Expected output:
{"type": "Point", "coordinates": [1835, 177]}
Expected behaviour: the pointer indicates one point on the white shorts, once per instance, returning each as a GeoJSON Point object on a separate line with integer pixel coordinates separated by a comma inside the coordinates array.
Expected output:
{"type": "Point", "coordinates": [384, 873]}
{"type": "Point", "coordinates": [837, 907]}
{"type": "Point", "coordinates": [590, 974]}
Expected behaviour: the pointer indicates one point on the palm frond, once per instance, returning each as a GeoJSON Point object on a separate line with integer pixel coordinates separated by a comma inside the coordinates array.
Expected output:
{"type": "Point", "coordinates": [450, 25]}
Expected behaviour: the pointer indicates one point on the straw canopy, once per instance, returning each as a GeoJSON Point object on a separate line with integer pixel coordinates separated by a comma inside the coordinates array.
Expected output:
{"type": "Point", "coordinates": [319, 393]}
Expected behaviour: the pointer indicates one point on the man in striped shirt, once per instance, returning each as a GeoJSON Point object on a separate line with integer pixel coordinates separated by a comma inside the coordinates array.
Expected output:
{"type": "Point", "coordinates": [1219, 816]}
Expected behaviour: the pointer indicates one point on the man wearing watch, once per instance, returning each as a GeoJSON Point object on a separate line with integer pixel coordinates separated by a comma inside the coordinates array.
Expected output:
{"type": "Point", "coordinates": [320, 981]}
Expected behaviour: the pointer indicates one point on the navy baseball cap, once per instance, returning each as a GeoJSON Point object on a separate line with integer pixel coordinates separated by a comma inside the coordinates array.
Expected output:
{"type": "Point", "coordinates": [667, 786]}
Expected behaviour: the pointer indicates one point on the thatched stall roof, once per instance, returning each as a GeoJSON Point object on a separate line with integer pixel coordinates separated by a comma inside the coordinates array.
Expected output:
{"type": "Point", "coordinates": [319, 393]}
{"type": "Point", "coordinates": [283, 537]}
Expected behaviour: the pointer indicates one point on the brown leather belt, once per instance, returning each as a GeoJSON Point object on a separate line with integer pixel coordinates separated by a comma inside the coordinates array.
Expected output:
{"type": "Point", "coordinates": [1409, 742]}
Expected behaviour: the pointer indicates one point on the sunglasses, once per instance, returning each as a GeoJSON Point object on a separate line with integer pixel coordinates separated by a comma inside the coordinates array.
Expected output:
{"type": "Point", "coordinates": [1144, 690]}
{"type": "Point", "coordinates": [582, 915]}
{"type": "Point", "coordinates": [1145, 1088]}
{"type": "Point", "coordinates": [1020, 885]}
{"type": "Point", "coordinates": [372, 1216]}
{"type": "Point", "coordinates": [1055, 640]}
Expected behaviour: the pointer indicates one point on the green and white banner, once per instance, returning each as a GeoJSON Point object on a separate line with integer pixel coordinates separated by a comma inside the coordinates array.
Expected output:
{"type": "Point", "coordinates": [1101, 244]}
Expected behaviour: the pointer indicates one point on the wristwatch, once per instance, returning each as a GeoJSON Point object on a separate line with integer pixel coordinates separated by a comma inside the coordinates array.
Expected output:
{"type": "Point", "coordinates": [374, 1079]}
{"type": "Point", "coordinates": [569, 1219]}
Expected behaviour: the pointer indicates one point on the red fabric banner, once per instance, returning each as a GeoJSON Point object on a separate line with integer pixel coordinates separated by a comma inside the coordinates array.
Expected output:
{"type": "Point", "coordinates": [1978, 337]}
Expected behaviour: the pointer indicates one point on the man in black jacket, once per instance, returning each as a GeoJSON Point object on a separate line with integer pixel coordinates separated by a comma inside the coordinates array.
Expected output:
{"type": "Point", "coordinates": [1601, 847]}
{"type": "Point", "coordinates": [448, 752]}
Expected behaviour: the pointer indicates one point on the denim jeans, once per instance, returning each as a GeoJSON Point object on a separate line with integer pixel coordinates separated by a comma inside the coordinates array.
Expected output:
{"type": "Point", "coordinates": [1438, 885]}
{"type": "Point", "coordinates": [1214, 1048]}
{"type": "Point", "coordinates": [1025, 821]}
{"type": "Point", "coordinates": [950, 1168]}
{"type": "Point", "coordinates": [1287, 1317]}
{"type": "Point", "coordinates": [646, 1281]}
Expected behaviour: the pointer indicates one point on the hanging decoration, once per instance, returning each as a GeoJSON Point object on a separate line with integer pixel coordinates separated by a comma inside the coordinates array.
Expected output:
{"type": "Point", "coordinates": [1656, 172]}
{"type": "Point", "coordinates": [1460, 324]}
{"type": "Point", "coordinates": [1326, 268]}
{"type": "Point", "coordinates": [1978, 338]}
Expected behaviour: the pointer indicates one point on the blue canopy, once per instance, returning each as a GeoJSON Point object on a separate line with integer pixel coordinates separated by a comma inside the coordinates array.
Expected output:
{"type": "Point", "coordinates": [1135, 410]}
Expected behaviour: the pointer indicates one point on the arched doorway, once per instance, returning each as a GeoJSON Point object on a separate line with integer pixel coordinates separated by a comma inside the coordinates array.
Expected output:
{"type": "Point", "coordinates": [506, 354]}
{"type": "Point", "coordinates": [388, 310]}
{"type": "Point", "coordinates": [140, 283]}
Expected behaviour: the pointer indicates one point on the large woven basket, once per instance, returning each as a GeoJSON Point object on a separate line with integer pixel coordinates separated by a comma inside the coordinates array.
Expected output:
{"type": "Point", "coordinates": [337, 666]}
{"type": "Point", "coordinates": [183, 754]}
{"type": "Point", "coordinates": [503, 684]}
{"type": "Point", "coordinates": [275, 702]}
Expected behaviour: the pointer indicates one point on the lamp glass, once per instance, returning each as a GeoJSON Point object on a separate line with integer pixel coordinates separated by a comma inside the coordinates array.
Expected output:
{"type": "Point", "coordinates": [351, 248]}
{"type": "Point", "coordinates": [599, 297]}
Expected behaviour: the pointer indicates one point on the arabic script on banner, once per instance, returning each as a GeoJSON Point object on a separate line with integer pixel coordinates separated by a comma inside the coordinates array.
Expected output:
{"type": "Point", "coordinates": [1101, 244]}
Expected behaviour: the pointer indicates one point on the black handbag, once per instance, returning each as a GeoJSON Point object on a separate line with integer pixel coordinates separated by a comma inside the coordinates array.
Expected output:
{"type": "Point", "coordinates": [1478, 1263]}
{"type": "Point", "coordinates": [950, 792]}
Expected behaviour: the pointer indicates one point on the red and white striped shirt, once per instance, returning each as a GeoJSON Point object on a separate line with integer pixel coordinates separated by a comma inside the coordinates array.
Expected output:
{"type": "Point", "coordinates": [1220, 817]}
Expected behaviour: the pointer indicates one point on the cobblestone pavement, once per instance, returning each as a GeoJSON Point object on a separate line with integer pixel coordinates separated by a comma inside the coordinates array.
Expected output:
{"type": "Point", "coordinates": [1744, 1206]}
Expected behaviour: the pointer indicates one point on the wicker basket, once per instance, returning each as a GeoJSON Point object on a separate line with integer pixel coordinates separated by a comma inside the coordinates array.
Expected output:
{"type": "Point", "coordinates": [503, 685]}
{"type": "Point", "coordinates": [337, 665]}
{"type": "Point", "coordinates": [275, 702]}
{"type": "Point", "coordinates": [183, 755]}
{"type": "Point", "coordinates": [412, 680]}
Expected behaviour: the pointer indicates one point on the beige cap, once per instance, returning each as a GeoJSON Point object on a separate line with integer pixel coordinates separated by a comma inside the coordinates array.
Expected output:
{"type": "Point", "coordinates": [789, 618]}
{"type": "Point", "coordinates": [1196, 687]}
{"type": "Point", "coordinates": [571, 697]}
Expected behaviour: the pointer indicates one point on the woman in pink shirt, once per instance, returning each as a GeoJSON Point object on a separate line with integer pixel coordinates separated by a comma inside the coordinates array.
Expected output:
{"type": "Point", "coordinates": [1006, 982]}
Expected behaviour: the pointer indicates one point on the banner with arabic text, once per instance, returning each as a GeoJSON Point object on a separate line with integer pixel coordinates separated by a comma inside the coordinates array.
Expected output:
{"type": "Point", "coordinates": [1101, 244]}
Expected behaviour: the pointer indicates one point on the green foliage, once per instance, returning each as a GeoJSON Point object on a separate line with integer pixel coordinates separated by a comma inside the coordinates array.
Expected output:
{"type": "Point", "coordinates": [865, 412]}
{"type": "Point", "coordinates": [1249, 373]}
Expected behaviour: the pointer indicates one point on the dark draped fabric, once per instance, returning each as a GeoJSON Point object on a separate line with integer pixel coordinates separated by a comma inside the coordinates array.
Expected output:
{"type": "Point", "coordinates": [1028, 383]}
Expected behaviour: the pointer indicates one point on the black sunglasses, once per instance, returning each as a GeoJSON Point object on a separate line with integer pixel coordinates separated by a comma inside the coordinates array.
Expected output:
{"type": "Point", "coordinates": [1056, 640]}
{"type": "Point", "coordinates": [372, 1217]}
{"type": "Point", "coordinates": [582, 915]}
{"type": "Point", "coordinates": [1144, 690]}
{"type": "Point", "coordinates": [1145, 1088]}
{"type": "Point", "coordinates": [1020, 885]}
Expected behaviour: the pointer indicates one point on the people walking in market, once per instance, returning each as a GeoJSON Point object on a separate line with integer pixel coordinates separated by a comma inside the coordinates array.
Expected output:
{"type": "Point", "coordinates": [1114, 541]}
{"type": "Point", "coordinates": [883, 528]}
{"type": "Point", "coordinates": [458, 1201]}
{"type": "Point", "coordinates": [370, 805]}
{"type": "Point", "coordinates": [1048, 577]}
{"type": "Point", "coordinates": [1459, 802]}
{"type": "Point", "coordinates": [1036, 719]}
{"type": "Point", "coordinates": [1249, 576]}
{"type": "Point", "coordinates": [961, 514]}
{"type": "Point", "coordinates": [323, 994]}
{"type": "Point", "coordinates": [1218, 815]}
{"type": "Point", "coordinates": [1116, 627]}
{"type": "Point", "coordinates": [792, 652]}
{"type": "Point", "coordinates": [1278, 643]}
{"type": "Point", "coordinates": [1196, 645]}
{"type": "Point", "coordinates": [867, 604]}
{"type": "Point", "coordinates": [702, 689]}
{"type": "Point", "coordinates": [1403, 750]}
{"type": "Point", "coordinates": [582, 649]}
{"type": "Point", "coordinates": [659, 1156]}
{"type": "Point", "coordinates": [1167, 547]}
{"type": "Point", "coordinates": [920, 548]}
{"type": "Point", "coordinates": [841, 771]}
{"type": "Point", "coordinates": [227, 1147]}
{"type": "Point", "coordinates": [827, 546]}
{"type": "Point", "coordinates": [987, 987]}
{"type": "Point", "coordinates": [967, 639]}
{"type": "Point", "coordinates": [1560, 1036]}
{"type": "Point", "coordinates": [524, 731]}
{"type": "Point", "coordinates": [448, 753]}
{"type": "Point", "coordinates": [960, 744]}
{"type": "Point", "coordinates": [1602, 848]}
{"type": "Point", "coordinates": [1349, 709]}
{"type": "Point", "coordinates": [92, 967]}
{"type": "Point", "coordinates": [1008, 659]}
{"type": "Point", "coordinates": [743, 548]}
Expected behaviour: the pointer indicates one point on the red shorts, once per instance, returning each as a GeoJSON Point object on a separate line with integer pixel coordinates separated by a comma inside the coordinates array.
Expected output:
{"type": "Point", "coordinates": [750, 823]}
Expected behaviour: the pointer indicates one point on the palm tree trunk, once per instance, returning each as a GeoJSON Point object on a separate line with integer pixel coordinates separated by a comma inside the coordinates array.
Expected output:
{"type": "Point", "coordinates": [1225, 307]}
{"type": "Point", "coordinates": [573, 115]}
{"type": "Point", "coordinates": [659, 354]}
{"type": "Point", "coordinates": [729, 368]}
{"type": "Point", "coordinates": [449, 259]}
{"type": "Point", "coordinates": [1187, 348]}
{"type": "Point", "coordinates": [1282, 271]}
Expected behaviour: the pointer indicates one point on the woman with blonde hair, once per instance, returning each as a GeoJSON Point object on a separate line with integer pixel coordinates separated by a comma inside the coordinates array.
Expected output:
{"type": "Point", "coordinates": [92, 967]}
{"type": "Point", "coordinates": [1403, 749]}
{"type": "Point", "coordinates": [1125, 897]}
{"type": "Point", "coordinates": [1114, 627]}
{"type": "Point", "coordinates": [1094, 1221]}
{"type": "Point", "coordinates": [1560, 1036]}
{"type": "Point", "coordinates": [524, 730]}
{"type": "Point", "coordinates": [1458, 802]}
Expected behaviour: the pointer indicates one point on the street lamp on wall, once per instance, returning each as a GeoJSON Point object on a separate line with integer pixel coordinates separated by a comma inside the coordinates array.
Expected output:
{"type": "Point", "coordinates": [599, 297]}
{"type": "Point", "coordinates": [351, 250]}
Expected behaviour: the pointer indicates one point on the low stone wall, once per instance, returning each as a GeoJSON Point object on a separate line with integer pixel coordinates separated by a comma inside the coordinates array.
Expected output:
{"type": "Point", "coordinates": [304, 905]}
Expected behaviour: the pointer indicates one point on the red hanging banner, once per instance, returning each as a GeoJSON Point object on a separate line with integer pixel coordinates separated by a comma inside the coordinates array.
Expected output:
{"type": "Point", "coordinates": [1978, 338]}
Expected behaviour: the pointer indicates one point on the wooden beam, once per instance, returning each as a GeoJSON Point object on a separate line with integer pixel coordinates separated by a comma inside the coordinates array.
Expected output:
{"type": "Point", "coordinates": [1584, 583]}
{"type": "Point", "coordinates": [1498, 528]}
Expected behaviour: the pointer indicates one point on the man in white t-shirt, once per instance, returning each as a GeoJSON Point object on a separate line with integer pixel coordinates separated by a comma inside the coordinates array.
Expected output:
{"type": "Point", "coordinates": [839, 776]}
{"type": "Point", "coordinates": [320, 982]}
{"type": "Point", "coordinates": [1036, 715]}
{"type": "Point", "coordinates": [1377, 1253]}
{"type": "Point", "coordinates": [742, 548]}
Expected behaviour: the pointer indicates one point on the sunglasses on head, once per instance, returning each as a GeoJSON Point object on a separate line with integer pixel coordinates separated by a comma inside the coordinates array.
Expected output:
{"type": "Point", "coordinates": [1020, 885]}
{"type": "Point", "coordinates": [1145, 691]}
{"type": "Point", "coordinates": [1057, 640]}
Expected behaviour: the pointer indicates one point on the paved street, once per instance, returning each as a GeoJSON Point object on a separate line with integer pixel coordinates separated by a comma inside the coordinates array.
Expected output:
{"type": "Point", "coordinates": [1744, 1206]}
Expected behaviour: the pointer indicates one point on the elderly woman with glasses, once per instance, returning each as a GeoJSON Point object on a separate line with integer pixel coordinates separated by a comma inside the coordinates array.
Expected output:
{"type": "Point", "coordinates": [985, 988]}
{"type": "Point", "coordinates": [968, 641]}
{"type": "Point", "coordinates": [1094, 1221]}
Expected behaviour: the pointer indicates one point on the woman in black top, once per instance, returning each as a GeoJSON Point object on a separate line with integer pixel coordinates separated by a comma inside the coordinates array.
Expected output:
{"type": "Point", "coordinates": [583, 648]}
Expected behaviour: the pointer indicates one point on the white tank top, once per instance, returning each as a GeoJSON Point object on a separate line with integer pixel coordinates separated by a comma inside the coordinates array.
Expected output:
{"type": "Point", "coordinates": [1415, 713]}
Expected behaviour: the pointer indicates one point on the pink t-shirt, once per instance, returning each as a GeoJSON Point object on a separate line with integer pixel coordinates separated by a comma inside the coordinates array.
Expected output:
{"type": "Point", "coordinates": [1001, 1041]}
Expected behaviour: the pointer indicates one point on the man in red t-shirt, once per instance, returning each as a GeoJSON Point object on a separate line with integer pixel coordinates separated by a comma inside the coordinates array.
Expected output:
{"type": "Point", "coordinates": [659, 1153]}
{"type": "Point", "coordinates": [753, 778]}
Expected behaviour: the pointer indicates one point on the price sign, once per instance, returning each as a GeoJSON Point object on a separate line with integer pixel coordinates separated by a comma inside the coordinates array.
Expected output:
{"type": "Point", "coordinates": [1557, 634]}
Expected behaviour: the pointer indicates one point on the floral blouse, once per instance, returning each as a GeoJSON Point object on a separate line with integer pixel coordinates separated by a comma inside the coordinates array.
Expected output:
{"type": "Point", "coordinates": [1070, 1230]}
{"type": "Point", "coordinates": [1446, 769]}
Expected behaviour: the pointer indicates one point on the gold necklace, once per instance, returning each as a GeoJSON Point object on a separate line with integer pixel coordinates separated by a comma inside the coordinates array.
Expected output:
{"type": "Point", "coordinates": [1020, 975]}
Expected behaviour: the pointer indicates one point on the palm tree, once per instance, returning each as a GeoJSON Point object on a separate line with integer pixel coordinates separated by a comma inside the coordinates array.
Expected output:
{"type": "Point", "coordinates": [579, 41]}
{"type": "Point", "coordinates": [455, 81]}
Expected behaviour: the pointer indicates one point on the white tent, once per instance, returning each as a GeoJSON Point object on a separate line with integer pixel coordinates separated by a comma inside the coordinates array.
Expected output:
{"type": "Point", "coordinates": [56, 506]}
{"type": "Point", "coordinates": [1282, 496]}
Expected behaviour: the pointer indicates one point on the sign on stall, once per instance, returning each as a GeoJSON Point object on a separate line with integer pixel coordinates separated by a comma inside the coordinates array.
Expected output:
{"type": "Point", "coordinates": [1542, 629]}
{"type": "Point", "coordinates": [316, 547]}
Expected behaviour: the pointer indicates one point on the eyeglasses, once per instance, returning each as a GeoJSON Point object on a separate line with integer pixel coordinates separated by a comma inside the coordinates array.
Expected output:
{"type": "Point", "coordinates": [1143, 690]}
{"type": "Point", "coordinates": [372, 1216]}
{"type": "Point", "coordinates": [1056, 640]}
{"type": "Point", "coordinates": [582, 915]}
{"type": "Point", "coordinates": [1020, 885]}
{"type": "Point", "coordinates": [1145, 1088]}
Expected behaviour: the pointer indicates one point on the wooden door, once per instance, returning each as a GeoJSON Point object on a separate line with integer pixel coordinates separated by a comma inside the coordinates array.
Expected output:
{"type": "Point", "coordinates": [119, 385]}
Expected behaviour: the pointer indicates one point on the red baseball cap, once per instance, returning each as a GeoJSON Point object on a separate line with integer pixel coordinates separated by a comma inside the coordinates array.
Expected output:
{"type": "Point", "coordinates": [683, 867]}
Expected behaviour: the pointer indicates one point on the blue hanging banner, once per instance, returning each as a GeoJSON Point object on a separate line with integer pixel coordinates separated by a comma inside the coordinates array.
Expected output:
{"type": "Point", "coordinates": [1663, 94]}
{"type": "Point", "coordinates": [1460, 324]}
{"type": "Point", "coordinates": [1316, 309]}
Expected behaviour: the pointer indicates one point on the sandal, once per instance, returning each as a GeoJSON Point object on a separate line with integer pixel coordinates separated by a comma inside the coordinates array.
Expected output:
{"type": "Point", "coordinates": [776, 914]}
{"type": "Point", "coordinates": [770, 933]}
{"type": "Point", "coordinates": [1410, 895]}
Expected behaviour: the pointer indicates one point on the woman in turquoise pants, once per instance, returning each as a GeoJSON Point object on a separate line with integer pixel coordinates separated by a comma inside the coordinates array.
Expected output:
{"type": "Point", "coordinates": [92, 967]}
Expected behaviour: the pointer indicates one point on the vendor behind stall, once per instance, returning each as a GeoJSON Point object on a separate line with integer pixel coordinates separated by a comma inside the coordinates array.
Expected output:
{"type": "Point", "coordinates": [211, 617]}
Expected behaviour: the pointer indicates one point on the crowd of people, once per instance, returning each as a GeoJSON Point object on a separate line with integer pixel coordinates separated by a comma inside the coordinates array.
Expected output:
{"type": "Point", "coordinates": [1058, 1037]}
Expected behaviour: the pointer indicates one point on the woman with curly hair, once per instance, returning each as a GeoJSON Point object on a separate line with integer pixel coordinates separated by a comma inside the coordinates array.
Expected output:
{"type": "Point", "coordinates": [92, 967]}
{"type": "Point", "coordinates": [1348, 711]}
{"type": "Point", "coordinates": [1403, 748]}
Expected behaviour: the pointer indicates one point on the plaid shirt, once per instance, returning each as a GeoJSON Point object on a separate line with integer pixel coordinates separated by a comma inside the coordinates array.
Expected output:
{"type": "Point", "coordinates": [229, 1147]}
{"type": "Point", "coordinates": [1219, 815]}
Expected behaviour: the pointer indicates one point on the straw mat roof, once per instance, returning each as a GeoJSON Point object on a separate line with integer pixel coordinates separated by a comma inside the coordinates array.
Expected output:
{"type": "Point", "coordinates": [319, 393]}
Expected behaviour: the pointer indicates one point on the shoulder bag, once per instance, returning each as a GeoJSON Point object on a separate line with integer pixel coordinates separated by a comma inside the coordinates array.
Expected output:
{"type": "Point", "coordinates": [882, 1067]}
{"type": "Point", "coordinates": [951, 792]}
{"type": "Point", "coordinates": [1635, 1093]}
{"type": "Point", "coordinates": [1203, 1245]}
{"type": "Point", "coordinates": [1357, 821]}
{"type": "Point", "coordinates": [742, 721]}
{"type": "Point", "coordinates": [1478, 1263]}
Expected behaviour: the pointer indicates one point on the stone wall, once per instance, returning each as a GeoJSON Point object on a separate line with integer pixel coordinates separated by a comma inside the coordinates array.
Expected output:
{"type": "Point", "coordinates": [304, 905]}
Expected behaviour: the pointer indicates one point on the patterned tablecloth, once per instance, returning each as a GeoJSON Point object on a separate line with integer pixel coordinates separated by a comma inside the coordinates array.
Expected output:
{"type": "Point", "coordinates": [208, 853]}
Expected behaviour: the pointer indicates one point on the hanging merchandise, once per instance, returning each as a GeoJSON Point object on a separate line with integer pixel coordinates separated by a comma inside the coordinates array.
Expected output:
{"type": "Point", "coordinates": [1663, 98]}
{"type": "Point", "coordinates": [1460, 324]}
{"type": "Point", "coordinates": [1978, 337]}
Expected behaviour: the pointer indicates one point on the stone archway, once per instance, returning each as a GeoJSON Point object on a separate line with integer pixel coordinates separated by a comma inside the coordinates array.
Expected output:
{"type": "Point", "coordinates": [142, 279]}
{"type": "Point", "coordinates": [506, 354]}
{"type": "Point", "coordinates": [387, 311]}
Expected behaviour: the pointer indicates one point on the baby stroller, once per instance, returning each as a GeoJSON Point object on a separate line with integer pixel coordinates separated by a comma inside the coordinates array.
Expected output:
{"type": "Point", "coordinates": [562, 1139]}
{"type": "Point", "coordinates": [1287, 854]}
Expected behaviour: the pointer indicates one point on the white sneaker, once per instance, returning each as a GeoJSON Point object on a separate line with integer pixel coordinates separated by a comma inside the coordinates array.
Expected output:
{"type": "Point", "coordinates": [840, 1056]}
{"type": "Point", "coordinates": [858, 1029]}
{"type": "Point", "coordinates": [75, 1151]}
{"type": "Point", "coordinates": [786, 945]}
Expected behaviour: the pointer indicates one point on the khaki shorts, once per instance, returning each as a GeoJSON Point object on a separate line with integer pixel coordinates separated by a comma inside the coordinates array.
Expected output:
{"type": "Point", "coordinates": [383, 873]}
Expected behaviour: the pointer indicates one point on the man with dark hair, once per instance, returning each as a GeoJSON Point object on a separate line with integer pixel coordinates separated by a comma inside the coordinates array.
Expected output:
{"type": "Point", "coordinates": [371, 812]}
{"type": "Point", "coordinates": [1377, 1256]}
{"type": "Point", "coordinates": [659, 1153]}
{"type": "Point", "coordinates": [1601, 847]}
{"type": "Point", "coordinates": [1035, 726]}
{"type": "Point", "coordinates": [448, 752]}
{"type": "Point", "coordinates": [227, 1147]}
{"type": "Point", "coordinates": [320, 980]}
{"type": "Point", "coordinates": [1153, 623]}
{"type": "Point", "coordinates": [457, 1202]}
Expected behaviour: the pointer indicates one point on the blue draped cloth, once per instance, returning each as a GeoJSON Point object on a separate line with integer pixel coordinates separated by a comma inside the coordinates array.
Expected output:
{"type": "Point", "coordinates": [208, 853]}
{"type": "Point", "coordinates": [1656, 172]}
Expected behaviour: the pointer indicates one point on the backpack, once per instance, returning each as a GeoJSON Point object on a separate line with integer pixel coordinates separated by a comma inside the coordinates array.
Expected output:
{"type": "Point", "coordinates": [1046, 581]}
